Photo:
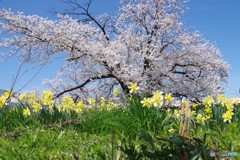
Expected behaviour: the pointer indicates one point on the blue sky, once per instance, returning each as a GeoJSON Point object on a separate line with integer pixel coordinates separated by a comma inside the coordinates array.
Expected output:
{"type": "Point", "coordinates": [218, 21]}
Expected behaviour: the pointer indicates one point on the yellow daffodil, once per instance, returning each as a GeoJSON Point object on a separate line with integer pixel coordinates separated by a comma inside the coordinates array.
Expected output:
{"type": "Point", "coordinates": [195, 106]}
{"type": "Point", "coordinates": [171, 130]}
{"type": "Point", "coordinates": [23, 97]}
{"type": "Point", "coordinates": [208, 101]}
{"type": "Point", "coordinates": [208, 117]}
{"type": "Point", "coordinates": [200, 118]}
{"type": "Point", "coordinates": [208, 110]}
{"type": "Point", "coordinates": [31, 101]}
{"type": "Point", "coordinates": [103, 101]}
{"type": "Point", "coordinates": [2, 101]}
{"type": "Point", "coordinates": [47, 98]}
{"type": "Point", "coordinates": [111, 105]}
{"type": "Point", "coordinates": [91, 101]}
{"type": "Point", "coordinates": [36, 107]}
{"type": "Point", "coordinates": [157, 99]}
{"type": "Point", "coordinates": [227, 102]}
{"type": "Point", "coordinates": [80, 104]}
{"type": "Point", "coordinates": [26, 112]}
{"type": "Point", "coordinates": [46, 101]}
{"type": "Point", "coordinates": [228, 116]}
{"type": "Point", "coordinates": [67, 100]}
{"type": "Point", "coordinates": [67, 107]}
{"type": "Point", "coordinates": [8, 94]}
{"type": "Point", "coordinates": [115, 92]}
{"type": "Point", "coordinates": [32, 96]}
{"type": "Point", "coordinates": [78, 110]}
{"type": "Point", "coordinates": [193, 113]}
{"type": "Point", "coordinates": [169, 112]}
{"type": "Point", "coordinates": [230, 112]}
{"type": "Point", "coordinates": [48, 94]}
{"type": "Point", "coordinates": [220, 98]}
{"type": "Point", "coordinates": [68, 103]}
{"type": "Point", "coordinates": [157, 94]}
{"type": "Point", "coordinates": [59, 107]}
{"type": "Point", "coordinates": [146, 102]}
{"type": "Point", "coordinates": [168, 97]}
{"type": "Point", "coordinates": [103, 105]}
{"type": "Point", "coordinates": [133, 88]}
{"type": "Point", "coordinates": [177, 113]}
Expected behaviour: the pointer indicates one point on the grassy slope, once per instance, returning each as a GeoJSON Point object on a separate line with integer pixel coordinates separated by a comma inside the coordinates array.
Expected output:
{"type": "Point", "coordinates": [59, 135]}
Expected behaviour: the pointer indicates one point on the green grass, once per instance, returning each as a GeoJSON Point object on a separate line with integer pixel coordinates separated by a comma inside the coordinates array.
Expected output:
{"type": "Point", "coordinates": [53, 144]}
{"type": "Point", "coordinates": [130, 121]}
{"type": "Point", "coordinates": [101, 134]}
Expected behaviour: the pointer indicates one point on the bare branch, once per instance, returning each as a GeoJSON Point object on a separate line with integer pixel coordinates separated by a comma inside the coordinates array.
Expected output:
{"type": "Point", "coordinates": [84, 83]}
{"type": "Point", "coordinates": [85, 11]}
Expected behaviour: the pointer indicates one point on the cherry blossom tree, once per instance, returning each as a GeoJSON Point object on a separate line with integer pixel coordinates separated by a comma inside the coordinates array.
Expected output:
{"type": "Point", "coordinates": [145, 42]}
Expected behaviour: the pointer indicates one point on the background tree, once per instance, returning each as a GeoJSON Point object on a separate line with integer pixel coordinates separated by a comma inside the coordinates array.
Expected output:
{"type": "Point", "coordinates": [144, 43]}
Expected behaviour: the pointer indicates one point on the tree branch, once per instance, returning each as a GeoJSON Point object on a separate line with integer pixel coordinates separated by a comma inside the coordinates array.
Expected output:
{"type": "Point", "coordinates": [84, 83]}
{"type": "Point", "coordinates": [86, 13]}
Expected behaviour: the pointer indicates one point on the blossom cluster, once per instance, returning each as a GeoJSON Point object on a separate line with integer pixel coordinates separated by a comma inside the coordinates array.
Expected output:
{"type": "Point", "coordinates": [144, 42]}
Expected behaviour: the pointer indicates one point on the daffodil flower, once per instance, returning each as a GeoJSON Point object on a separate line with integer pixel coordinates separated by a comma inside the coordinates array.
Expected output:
{"type": "Point", "coordinates": [168, 97]}
{"type": "Point", "coordinates": [115, 92]}
{"type": "Point", "coordinates": [36, 107]}
{"type": "Point", "coordinates": [200, 118]}
{"type": "Point", "coordinates": [8, 94]}
{"type": "Point", "coordinates": [133, 88]}
{"type": "Point", "coordinates": [2, 101]}
{"type": "Point", "coordinates": [171, 130]}
{"type": "Point", "coordinates": [208, 101]}
{"type": "Point", "coordinates": [146, 102]}
{"type": "Point", "coordinates": [91, 101]}
{"type": "Point", "coordinates": [26, 112]}
{"type": "Point", "coordinates": [23, 97]}
{"type": "Point", "coordinates": [157, 99]}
